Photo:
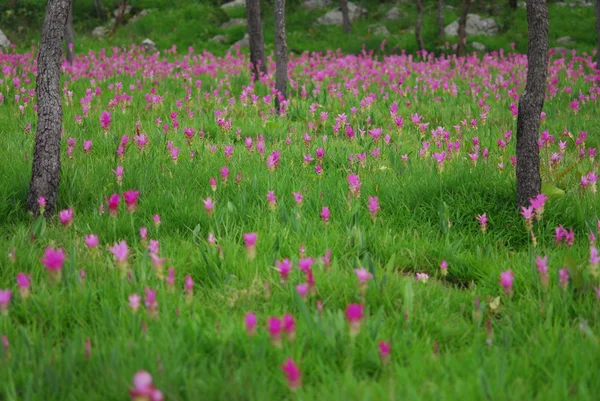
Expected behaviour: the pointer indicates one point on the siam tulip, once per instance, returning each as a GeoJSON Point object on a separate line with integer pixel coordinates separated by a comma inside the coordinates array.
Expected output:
{"type": "Point", "coordinates": [289, 326]}
{"type": "Point", "coordinates": [284, 268]}
{"type": "Point", "coordinates": [119, 174]}
{"type": "Point", "coordinates": [54, 259]}
{"type": "Point", "coordinates": [354, 185]}
{"type": "Point", "coordinates": [302, 289]}
{"type": "Point", "coordinates": [354, 315]}
{"type": "Point", "coordinates": [91, 241]}
{"type": "Point", "coordinates": [143, 234]}
{"type": "Point", "coordinates": [87, 146]}
{"type": "Point", "coordinates": [292, 374]}
{"type": "Point", "coordinates": [542, 268]}
{"type": "Point", "coordinates": [318, 169]}
{"type": "Point", "coordinates": [211, 239]}
{"type": "Point", "coordinates": [150, 302]}
{"type": "Point", "coordinates": [527, 213]}
{"type": "Point", "coordinates": [325, 213]}
{"type": "Point", "coordinates": [274, 325]}
{"type": "Point", "coordinates": [143, 389]}
{"type": "Point", "coordinates": [24, 284]}
{"type": "Point", "coordinates": [113, 204]}
{"type": "Point", "coordinates": [305, 264]}
{"type": "Point", "coordinates": [563, 277]}
{"type": "Point", "coordinates": [66, 217]}
{"type": "Point", "coordinates": [130, 198]}
{"type": "Point", "coordinates": [298, 198]}
{"type": "Point", "coordinates": [422, 277]}
{"type": "Point", "coordinates": [384, 351]}
{"type": "Point", "coordinates": [224, 173]}
{"type": "Point", "coordinates": [5, 296]}
{"type": "Point", "coordinates": [483, 220]}
{"type": "Point", "coordinates": [327, 259]}
{"type": "Point", "coordinates": [594, 261]}
{"type": "Point", "coordinates": [373, 206]}
{"type": "Point", "coordinates": [250, 321]}
{"type": "Point", "coordinates": [444, 268]}
{"type": "Point", "coordinates": [120, 252]}
{"type": "Point", "coordinates": [538, 204]}
{"type": "Point", "coordinates": [209, 205]}
{"type": "Point", "coordinates": [250, 242]}
{"type": "Point", "coordinates": [363, 275]}
{"type": "Point", "coordinates": [506, 281]}
{"type": "Point", "coordinates": [213, 184]}
{"type": "Point", "coordinates": [170, 279]}
{"type": "Point", "coordinates": [105, 120]}
{"type": "Point", "coordinates": [42, 204]}
{"type": "Point", "coordinates": [156, 219]}
{"type": "Point", "coordinates": [272, 200]}
{"type": "Point", "coordinates": [134, 302]}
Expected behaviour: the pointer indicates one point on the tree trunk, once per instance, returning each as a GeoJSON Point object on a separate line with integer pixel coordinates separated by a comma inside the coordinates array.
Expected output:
{"type": "Point", "coordinates": [120, 16]}
{"type": "Point", "coordinates": [531, 103]}
{"type": "Point", "coordinates": [598, 33]}
{"type": "Point", "coordinates": [100, 12]}
{"type": "Point", "coordinates": [440, 18]}
{"type": "Point", "coordinates": [281, 53]}
{"type": "Point", "coordinates": [512, 4]}
{"type": "Point", "coordinates": [462, 28]}
{"type": "Point", "coordinates": [345, 15]}
{"type": "Point", "coordinates": [257, 44]}
{"type": "Point", "coordinates": [45, 173]}
{"type": "Point", "coordinates": [418, 34]}
{"type": "Point", "coordinates": [69, 36]}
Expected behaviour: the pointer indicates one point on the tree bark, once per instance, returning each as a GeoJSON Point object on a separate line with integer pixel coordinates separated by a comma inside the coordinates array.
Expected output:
{"type": "Point", "coordinates": [345, 15]}
{"type": "Point", "coordinates": [281, 53]}
{"type": "Point", "coordinates": [45, 173]}
{"type": "Point", "coordinates": [69, 36]}
{"type": "Point", "coordinates": [529, 182]}
{"type": "Point", "coordinates": [100, 11]}
{"type": "Point", "coordinates": [598, 33]}
{"type": "Point", "coordinates": [462, 28]}
{"type": "Point", "coordinates": [440, 18]}
{"type": "Point", "coordinates": [512, 4]}
{"type": "Point", "coordinates": [418, 25]}
{"type": "Point", "coordinates": [257, 44]}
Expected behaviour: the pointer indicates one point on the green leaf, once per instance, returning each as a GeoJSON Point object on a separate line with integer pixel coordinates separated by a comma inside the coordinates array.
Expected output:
{"type": "Point", "coordinates": [552, 191]}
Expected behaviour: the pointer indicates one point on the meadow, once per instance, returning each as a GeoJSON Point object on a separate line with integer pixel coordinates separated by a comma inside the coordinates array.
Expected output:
{"type": "Point", "coordinates": [362, 245]}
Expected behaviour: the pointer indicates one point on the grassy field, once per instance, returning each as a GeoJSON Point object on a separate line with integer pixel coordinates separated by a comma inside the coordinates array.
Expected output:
{"type": "Point", "coordinates": [430, 139]}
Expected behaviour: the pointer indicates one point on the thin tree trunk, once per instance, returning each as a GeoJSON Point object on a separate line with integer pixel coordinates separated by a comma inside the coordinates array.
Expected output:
{"type": "Point", "coordinates": [598, 33]}
{"type": "Point", "coordinates": [45, 173]}
{"type": "Point", "coordinates": [257, 44]}
{"type": "Point", "coordinates": [512, 4]}
{"type": "Point", "coordinates": [345, 15]}
{"type": "Point", "coordinates": [100, 11]}
{"type": "Point", "coordinates": [531, 103]}
{"type": "Point", "coordinates": [120, 17]}
{"type": "Point", "coordinates": [440, 18]}
{"type": "Point", "coordinates": [462, 28]}
{"type": "Point", "coordinates": [281, 53]}
{"type": "Point", "coordinates": [418, 25]}
{"type": "Point", "coordinates": [69, 36]}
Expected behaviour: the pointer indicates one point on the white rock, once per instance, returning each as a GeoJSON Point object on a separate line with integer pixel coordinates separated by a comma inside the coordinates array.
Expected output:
{"type": "Point", "coordinates": [234, 22]}
{"type": "Point", "coordinates": [480, 47]}
{"type": "Point", "coordinates": [316, 4]}
{"type": "Point", "coordinates": [234, 3]}
{"type": "Point", "coordinates": [126, 11]}
{"type": "Point", "coordinates": [379, 30]}
{"type": "Point", "coordinates": [4, 42]}
{"type": "Point", "coordinates": [99, 32]}
{"type": "Point", "coordinates": [148, 45]}
{"type": "Point", "coordinates": [394, 14]}
{"type": "Point", "coordinates": [565, 40]}
{"type": "Point", "coordinates": [476, 25]}
{"type": "Point", "coordinates": [220, 39]}
{"type": "Point", "coordinates": [334, 17]}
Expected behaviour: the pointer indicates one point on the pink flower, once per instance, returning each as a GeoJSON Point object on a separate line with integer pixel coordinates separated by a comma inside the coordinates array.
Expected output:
{"type": "Point", "coordinates": [120, 251]}
{"type": "Point", "coordinates": [327, 258]}
{"type": "Point", "coordinates": [373, 206]}
{"type": "Point", "coordinates": [302, 289]}
{"type": "Point", "coordinates": [483, 220]}
{"type": "Point", "coordinates": [119, 174]}
{"type": "Point", "coordinates": [150, 302]}
{"type": "Point", "coordinates": [24, 284]}
{"type": "Point", "coordinates": [87, 146]}
{"type": "Point", "coordinates": [563, 276]}
{"type": "Point", "coordinates": [224, 173]}
{"type": "Point", "coordinates": [325, 213]}
{"type": "Point", "coordinates": [213, 184]}
{"type": "Point", "coordinates": [542, 268]}
{"type": "Point", "coordinates": [189, 286]}
{"type": "Point", "coordinates": [211, 239]}
{"type": "Point", "coordinates": [143, 389]}
{"type": "Point", "coordinates": [53, 259]}
{"type": "Point", "coordinates": [384, 351]}
{"type": "Point", "coordinates": [250, 241]}
{"type": "Point", "coordinates": [354, 315]}
{"type": "Point", "coordinates": [354, 185]}
{"type": "Point", "coordinates": [143, 233]}
{"type": "Point", "coordinates": [272, 200]}
{"type": "Point", "coordinates": [363, 275]}
{"type": "Point", "coordinates": [170, 279]}
{"type": "Point", "coordinates": [444, 268]}
{"type": "Point", "coordinates": [130, 198]}
{"type": "Point", "coordinates": [305, 264]}
{"type": "Point", "coordinates": [284, 268]}
{"type": "Point", "coordinates": [66, 217]}
{"type": "Point", "coordinates": [292, 374]}
{"type": "Point", "coordinates": [594, 258]}
{"type": "Point", "coordinates": [209, 205]}
{"type": "Point", "coordinates": [274, 325]}
{"type": "Point", "coordinates": [91, 241]}
{"type": "Point", "coordinates": [250, 322]}
{"type": "Point", "coordinates": [134, 302]}
{"type": "Point", "coordinates": [113, 204]}
{"type": "Point", "coordinates": [538, 204]}
{"type": "Point", "coordinates": [298, 198]}
{"type": "Point", "coordinates": [289, 326]}
{"type": "Point", "coordinates": [506, 281]}
{"type": "Point", "coordinates": [5, 296]}
{"type": "Point", "coordinates": [527, 213]}
{"type": "Point", "coordinates": [422, 277]}
{"type": "Point", "coordinates": [105, 120]}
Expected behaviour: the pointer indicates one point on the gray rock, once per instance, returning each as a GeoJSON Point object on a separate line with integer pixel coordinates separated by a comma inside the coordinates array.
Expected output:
{"type": "Point", "coordinates": [565, 40]}
{"type": "Point", "coordinates": [138, 16]}
{"type": "Point", "coordinates": [475, 26]}
{"type": "Point", "coordinates": [316, 4]}
{"type": "Point", "coordinates": [126, 10]}
{"type": "Point", "coordinates": [575, 3]}
{"type": "Point", "coordinates": [99, 32]}
{"type": "Point", "coordinates": [334, 17]}
{"type": "Point", "coordinates": [244, 42]}
{"type": "Point", "coordinates": [450, 8]}
{"type": "Point", "coordinates": [394, 14]}
{"type": "Point", "coordinates": [480, 47]}
{"type": "Point", "coordinates": [4, 42]}
{"type": "Point", "coordinates": [559, 50]}
{"type": "Point", "coordinates": [379, 30]}
{"type": "Point", "coordinates": [234, 3]}
{"type": "Point", "coordinates": [234, 22]}
{"type": "Point", "coordinates": [220, 39]}
{"type": "Point", "coordinates": [148, 46]}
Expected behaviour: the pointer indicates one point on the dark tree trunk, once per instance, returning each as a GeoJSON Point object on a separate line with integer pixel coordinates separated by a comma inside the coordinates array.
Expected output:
{"type": "Point", "coordinates": [512, 4]}
{"type": "Point", "coordinates": [69, 36]}
{"type": "Point", "coordinates": [281, 52]}
{"type": "Point", "coordinates": [45, 174]}
{"type": "Point", "coordinates": [598, 33]}
{"type": "Point", "coordinates": [257, 44]}
{"type": "Point", "coordinates": [100, 11]}
{"type": "Point", "coordinates": [440, 18]}
{"type": "Point", "coordinates": [120, 17]}
{"type": "Point", "coordinates": [418, 25]}
{"type": "Point", "coordinates": [461, 50]}
{"type": "Point", "coordinates": [531, 103]}
{"type": "Point", "coordinates": [345, 15]}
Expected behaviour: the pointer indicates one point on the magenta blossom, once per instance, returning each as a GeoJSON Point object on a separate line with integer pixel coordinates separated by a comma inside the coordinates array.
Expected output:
{"type": "Point", "coordinates": [292, 374]}
{"type": "Point", "coordinates": [5, 296]}
{"type": "Point", "coordinates": [143, 389]}
{"type": "Point", "coordinates": [130, 198]}
{"type": "Point", "coordinates": [384, 351]}
{"type": "Point", "coordinates": [53, 259]}
{"type": "Point", "coordinates": [250, 241]}
{"type": "Point", "coordinates": [325, 213]}
{"type": "Point", "coordinates": [506, 281]}
{"type": "Point", "coordinates": [105, 120]}
{"type": "Point", "coordinates": [354, 315]}
{"type": "Point", "coordinates": [250, 321]}
{"type": "Point", "coordinates": [66, 217]}
{"type": "Point", "coordinates": [91, 241]}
